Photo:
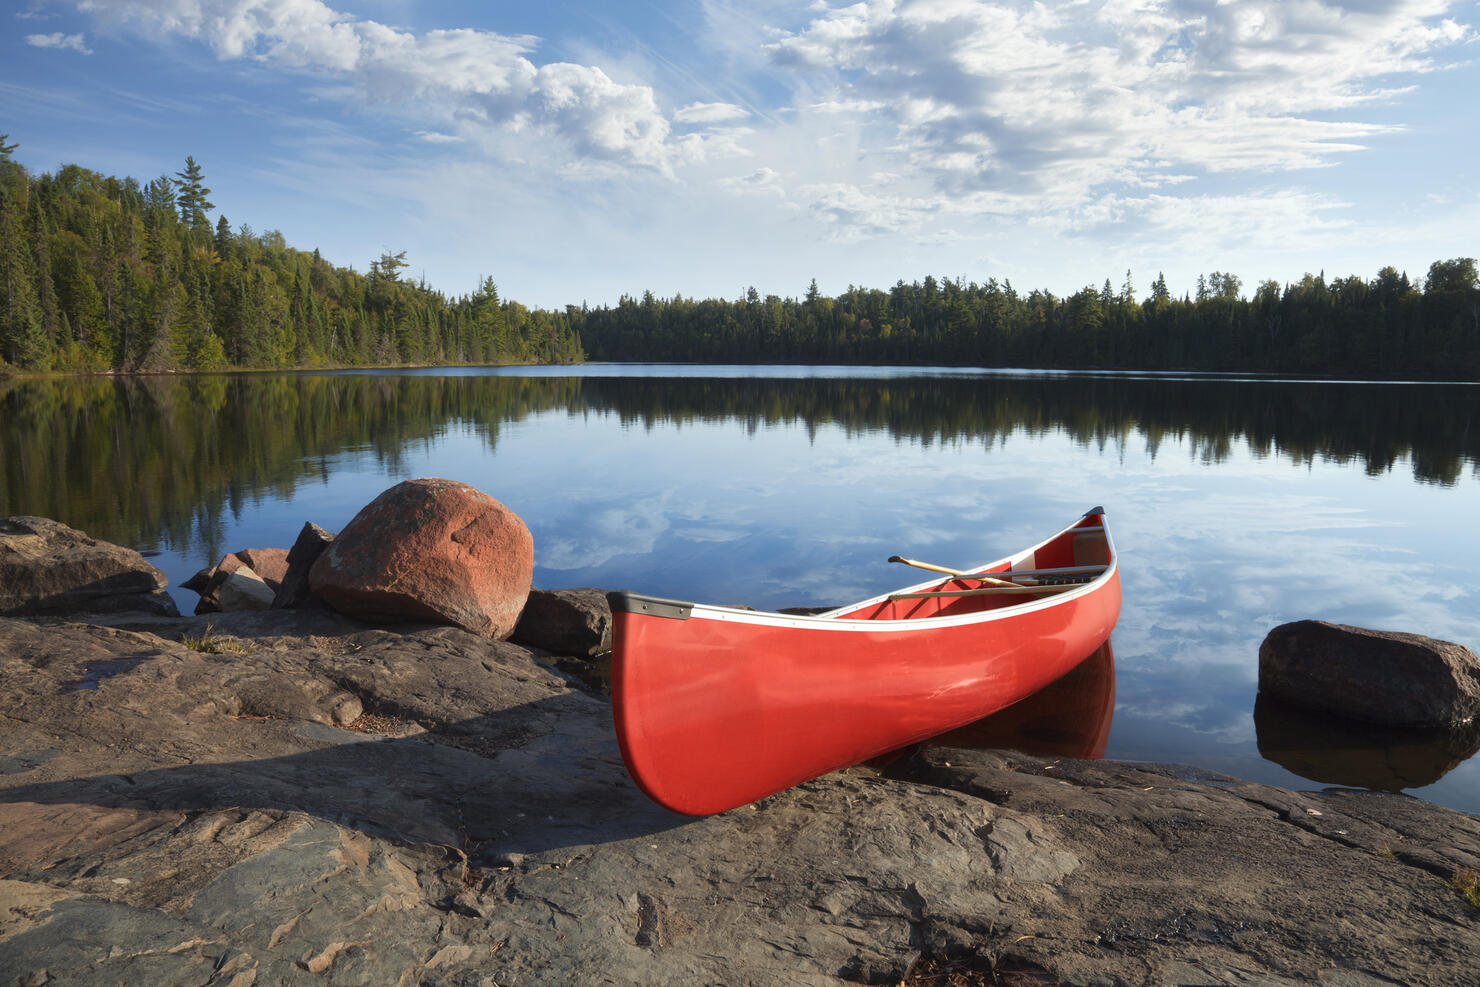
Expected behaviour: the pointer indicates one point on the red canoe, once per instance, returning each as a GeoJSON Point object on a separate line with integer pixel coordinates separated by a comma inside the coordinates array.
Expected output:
{"type": "Point", "coordinates": [716, 707]}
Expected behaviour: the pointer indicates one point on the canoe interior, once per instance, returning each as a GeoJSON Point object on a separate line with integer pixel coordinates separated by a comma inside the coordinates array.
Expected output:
{"type": "Point", "coordinates": [1084, 544]}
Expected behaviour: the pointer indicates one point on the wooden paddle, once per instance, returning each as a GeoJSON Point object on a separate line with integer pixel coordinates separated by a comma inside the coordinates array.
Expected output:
{"type": "Point", "coordinates": [997, 577]}
{"type": "Point", "coordinates": [951, 572]}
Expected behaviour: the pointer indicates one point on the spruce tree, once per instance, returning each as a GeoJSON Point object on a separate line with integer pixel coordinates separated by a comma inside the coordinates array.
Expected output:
{"type": "Point", "coordinates": [191, 197]}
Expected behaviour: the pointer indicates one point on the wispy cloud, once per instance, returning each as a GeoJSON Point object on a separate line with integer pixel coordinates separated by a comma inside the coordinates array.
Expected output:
{"type": "Point", "coordinates": [710, 113]}
{"type": "Point", "coordinates": [71, 42]}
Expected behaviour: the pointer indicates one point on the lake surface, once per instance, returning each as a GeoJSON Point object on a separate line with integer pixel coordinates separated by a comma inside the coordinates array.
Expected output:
{"type": "Point", "coordinates": [1236, 504]}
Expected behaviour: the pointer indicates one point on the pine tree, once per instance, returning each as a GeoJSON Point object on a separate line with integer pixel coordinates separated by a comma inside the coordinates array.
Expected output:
{"type": "Point", "coordinates": [191, 197]}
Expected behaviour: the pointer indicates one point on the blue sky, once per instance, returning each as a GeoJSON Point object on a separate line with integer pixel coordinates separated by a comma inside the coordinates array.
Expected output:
{"type": "Point", "coordinates": [578, 150]}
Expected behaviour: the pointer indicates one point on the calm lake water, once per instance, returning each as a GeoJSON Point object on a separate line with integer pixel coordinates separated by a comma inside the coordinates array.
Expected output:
{"type": "Point", "coordinates": [1236, 504]}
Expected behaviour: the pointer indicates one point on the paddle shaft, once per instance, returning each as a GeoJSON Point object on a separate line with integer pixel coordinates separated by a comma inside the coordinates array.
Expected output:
{"type": "Point", "coordinates": [996, 577]}
{"type": "Point", "coordinates": [950, 572]}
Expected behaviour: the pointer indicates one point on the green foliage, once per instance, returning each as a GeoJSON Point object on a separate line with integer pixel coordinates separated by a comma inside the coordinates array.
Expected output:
{"type": "Point", "coordinates": [191, 196]}
{"type": "Point", "coordinates": [208, 353]}
{"type": "Point", "coordinates": [1348, 327]}
{"type": "Point", "coordinates": [98, 273]}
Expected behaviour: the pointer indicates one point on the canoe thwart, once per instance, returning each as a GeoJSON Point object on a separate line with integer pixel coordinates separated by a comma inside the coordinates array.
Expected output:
{"type": "Point", "coordinates": [986, 591]}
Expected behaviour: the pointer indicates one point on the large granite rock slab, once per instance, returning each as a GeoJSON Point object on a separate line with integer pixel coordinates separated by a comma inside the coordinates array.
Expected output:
{"type": "Point", "coordinates": [48, 568]}
{"type": "Point", "coordinates": [1378, 676]}
{"type": "Point", "coordinates": [185, 802]}
{"type": "Point", "coordinates": [430, 550]}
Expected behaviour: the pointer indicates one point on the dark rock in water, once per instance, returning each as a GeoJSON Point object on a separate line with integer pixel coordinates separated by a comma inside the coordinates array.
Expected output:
{"type": "Point", "coordinates": [294, 591]}
{"type": "Point", "coordinates": [1333, 750]}
{"type": "Point", "coordinates": [47, 568]}
{"type": "Point", "coordinates": [430, 550]}
{"type": "Point", "coordinates": [198, 582]}
{"type": "Point", "coordinates": [566, 621]}
{"type": "Point", "coordinates": [1378, 676]}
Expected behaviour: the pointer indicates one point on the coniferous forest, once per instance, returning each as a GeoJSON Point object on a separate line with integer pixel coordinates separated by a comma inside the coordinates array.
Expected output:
{"type": "Point", "coordinates": [1389, 327]}
{"type": "Point", "coordinates": [110, 274]}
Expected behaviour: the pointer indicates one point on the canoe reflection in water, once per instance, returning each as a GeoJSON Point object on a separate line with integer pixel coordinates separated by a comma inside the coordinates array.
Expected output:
{"type": "Point", "coordinates": [1067, 718]}
{"type": "Point", "coordinates": [1334, 751]}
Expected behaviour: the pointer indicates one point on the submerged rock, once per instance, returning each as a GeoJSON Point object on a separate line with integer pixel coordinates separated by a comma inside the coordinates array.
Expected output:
{"type": "Point", "coordinates": [1378, 676]}
{"type": "Point", "coordinates": [430, 550]}
{"type": "Point", "coordinates": [47, 568]}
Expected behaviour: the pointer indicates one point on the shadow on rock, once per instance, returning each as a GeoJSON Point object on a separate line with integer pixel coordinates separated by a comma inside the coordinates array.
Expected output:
{"type": "Point", "coordinates": [463, 742]}
{"type": "Point", "coordinates": [564, 789]}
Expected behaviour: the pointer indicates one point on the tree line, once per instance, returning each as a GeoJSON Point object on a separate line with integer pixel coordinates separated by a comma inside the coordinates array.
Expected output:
{"type": "Point", "coordinates": [1386, 327]}
{"type": "Point", "coordinates": [106, 274]}
{"type": "Point", "coordinates": [100, 273]}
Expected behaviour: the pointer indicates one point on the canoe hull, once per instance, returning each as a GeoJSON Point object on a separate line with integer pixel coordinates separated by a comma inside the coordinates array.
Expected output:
{"type": "Point", "coordinates": [716, 707]}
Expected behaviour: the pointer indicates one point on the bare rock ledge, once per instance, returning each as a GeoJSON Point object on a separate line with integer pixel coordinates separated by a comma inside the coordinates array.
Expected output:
{"type": "Point", "coordinates": [294, 797]}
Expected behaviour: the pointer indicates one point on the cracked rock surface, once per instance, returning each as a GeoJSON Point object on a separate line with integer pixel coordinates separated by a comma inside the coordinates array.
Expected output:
{"type": "Point", "coordinates": [293, 797]}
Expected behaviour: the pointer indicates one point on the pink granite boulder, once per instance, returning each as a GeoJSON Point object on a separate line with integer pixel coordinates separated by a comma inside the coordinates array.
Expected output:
{"type": "Point", "coordinates": [430, 550]}
{"type": "Point", "coordinates": [269, 563]}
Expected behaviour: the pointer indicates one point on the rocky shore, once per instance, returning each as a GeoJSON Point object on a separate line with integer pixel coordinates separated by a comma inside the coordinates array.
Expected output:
{"type": "Point", "coordinates": [293, 796]}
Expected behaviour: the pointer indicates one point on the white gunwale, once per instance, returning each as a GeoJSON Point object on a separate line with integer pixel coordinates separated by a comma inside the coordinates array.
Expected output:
{"type": "Point", "coordinates": [828, 621]}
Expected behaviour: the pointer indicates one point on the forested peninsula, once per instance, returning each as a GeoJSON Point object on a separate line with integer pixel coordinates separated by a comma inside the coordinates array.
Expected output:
{"type": "Point", "coordinates": [107, 274]}
{"type": "Point", "coordinates": [100, 274]}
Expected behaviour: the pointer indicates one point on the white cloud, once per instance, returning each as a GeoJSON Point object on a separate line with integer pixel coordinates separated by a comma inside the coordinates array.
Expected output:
{"type": "Point", "coordinates": [1072, 98]}
{"type": "Point", "coordinates": [74, 42]}
{"type": "Point", "coordinates": [760, 180]}
{"type": "Point", "coordinates": [710, 113]}
{"type": "Point", "coordinates": [1162, 122]}
{"type": "Point", "coordinates": [477, 83]}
